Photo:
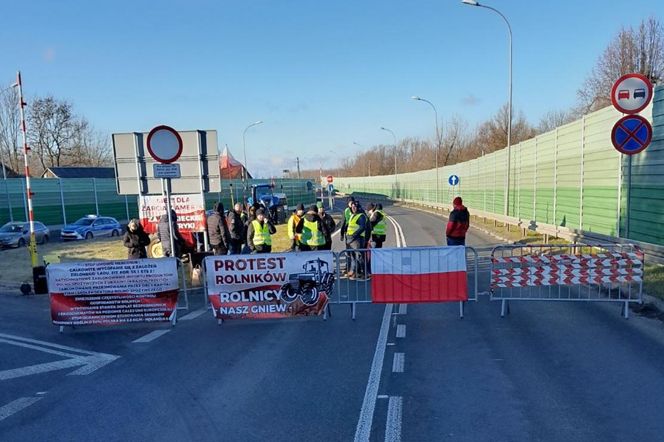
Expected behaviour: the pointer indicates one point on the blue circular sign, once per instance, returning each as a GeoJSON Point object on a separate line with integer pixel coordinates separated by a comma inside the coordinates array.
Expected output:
{"type": "Point", "coordinates": [631, 134]}
{"type": "Point", "coordinates": [453, 180]}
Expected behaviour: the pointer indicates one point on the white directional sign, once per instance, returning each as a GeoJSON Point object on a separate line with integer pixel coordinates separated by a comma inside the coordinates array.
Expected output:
{"type": "Point", "coordinates": [166, 170]}
{"type": "Point", "coordinates": [631, 93]}
{"type": "Point", "coordinates": [164, 144]}
{"type": "Point", "coordinates": [453, 180]}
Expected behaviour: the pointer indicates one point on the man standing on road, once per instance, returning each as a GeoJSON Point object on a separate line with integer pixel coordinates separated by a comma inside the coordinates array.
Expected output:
{"type": "Point", "coordinates": [378, 225]}
{"type": "Point", "coordinates": [164, 235]}
{"type": "Point", "coordinates": [312, 231]}
{"type": "Point", "coordinates": [354, 232]}
{"type": "Point", "coordinates": [293, 221]}
{"type": "Point", "coordinates": [330, 225]}
{"type": "Point", "coordinates": [218, 233]}
{"type": "Point", "coordinates": [347, 212]}
{"type": "Point", "coordinates": [259, 236]}
{"type": "Point", "coordinates": [458, 224]}
{"type": "Point", "coordinates": [236, 229]}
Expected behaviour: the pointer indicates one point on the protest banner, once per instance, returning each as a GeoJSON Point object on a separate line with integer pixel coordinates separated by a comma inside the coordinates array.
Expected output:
{"type": "Point", "coordinates": [269, 286]}
{"type": "Point", "coordinates": [190, 211]}
{"type": "Point", "coordinates": [113, 292]}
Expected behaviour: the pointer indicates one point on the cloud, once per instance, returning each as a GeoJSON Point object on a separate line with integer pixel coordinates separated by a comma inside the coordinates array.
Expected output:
{"type": "Point", "coordinates": [49, 55]}
{"type": "Point", "coordinates": [470, 100]}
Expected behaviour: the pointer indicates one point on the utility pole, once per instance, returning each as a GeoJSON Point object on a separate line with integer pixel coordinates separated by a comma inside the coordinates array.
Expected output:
{"type": "Point", "coordinates": [297, 159]}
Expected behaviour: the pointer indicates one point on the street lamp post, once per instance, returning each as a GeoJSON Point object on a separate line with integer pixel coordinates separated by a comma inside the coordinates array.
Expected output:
{"type": "Point", "coordinates": [396, 180]}
{"type": "Point", "coordinates": [509, 105]}
{"type": "Point", "coordinates": [244, 147]}
{"type": "Point", "coordinates": [435, 111]}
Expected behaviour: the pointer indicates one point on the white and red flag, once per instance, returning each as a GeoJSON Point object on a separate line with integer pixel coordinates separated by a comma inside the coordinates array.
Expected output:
{"type": "Point", "coordinates": [419, 274]}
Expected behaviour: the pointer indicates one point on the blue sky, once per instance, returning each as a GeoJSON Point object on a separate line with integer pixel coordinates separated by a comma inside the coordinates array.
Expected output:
{"type": "Point", "coordinates": [321, 75]}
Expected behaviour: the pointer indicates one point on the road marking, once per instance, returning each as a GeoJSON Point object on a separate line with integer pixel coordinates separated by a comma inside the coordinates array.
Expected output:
{"type": "Point", "coordinates": [151, 336]}
{"type": "Point", "coordinates": [364, 423]}
{"type": "Point", "coordinates": [382, 396]}
{"type": "Point", "coordinates": [40, 368]}
{"type": "Point", "coordinates": [90, 361]}
{"type": "Point", "coordinates": [393, 424]}
{"type": "Point", "coordinates": [398, 362]}
{"type": "Point", "coordinates": [389, 344]}
{"type": "Point", "coordinates": [193, 315]}
{"type": "Point", "coordinates": [363, 429]}
{"type": "Point", "coordinates": [403, 309]}
{"type": "Point", "coordinates": [16, 406]}
{"type": "Point", "coordinates": [401, 331]}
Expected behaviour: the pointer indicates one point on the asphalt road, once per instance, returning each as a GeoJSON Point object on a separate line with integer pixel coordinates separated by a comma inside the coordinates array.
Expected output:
{"type": "Point", "coordinates": [566, 371]}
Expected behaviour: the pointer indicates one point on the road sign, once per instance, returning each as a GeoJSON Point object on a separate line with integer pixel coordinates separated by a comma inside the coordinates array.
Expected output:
{"type": "Point", "coordinates": [631, 93]}
{"type": "Point", "coordinates": [453, 180]}
{"type": "Point", "coordinates": [631, 134]}
{"type": "Point", "coordinates": [330, 179]}
{"type": "Point", "coordinates": [330, 187]}
{"type": "Point", "coordinates": [166, 170]}
{"type": "Point", "coordinates": [164, 144]}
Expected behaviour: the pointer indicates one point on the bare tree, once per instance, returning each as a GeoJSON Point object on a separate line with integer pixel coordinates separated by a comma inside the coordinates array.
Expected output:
{"type": "Point", "coordinates": [555, 118]}
{"type": "Point", "coordinates": [10, 120]}
{"type": "Point", "coordinates": [53, 129]}
{"type": "Point", "coordinates": [89, 147]}
{"type": "Point", "coordinates": [492, 134]}
{"type": "Point", "coordinates": [639, 50]}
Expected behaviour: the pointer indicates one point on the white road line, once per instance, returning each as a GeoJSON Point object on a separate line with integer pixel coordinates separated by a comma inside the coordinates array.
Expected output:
{"type": "Point", "coordinates": [393, 424]}
{"type": "Point", "coordinates": [151, 336]}
{"type": "Point", "coordinates": [38, 348]}
{"type": "Point", "coordinates": [403, 309]}
{"type": "Point", "coordinates": [363, 430]}
{"type": "Point", "coordinates": [398, 362]}
{"type": "Point", "coordinates": [16, 406]}
{"type": "Point", "coordinates": [382, 396]}
{"type": "Point", "coordinates": [47, 344]}
{"type": "Point", "coordinates": [40, 368]}
{"type": "Point", "coordinates": [401, 331]}
{"type": "Point", "coordinates": [193, 315]}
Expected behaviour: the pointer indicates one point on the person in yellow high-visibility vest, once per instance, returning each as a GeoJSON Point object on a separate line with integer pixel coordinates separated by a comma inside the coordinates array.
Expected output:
{"type": "Point", "coordinates": [259, 235]}
{"type": "Point", "coordinates": [312, 231]}
{"type": "Point", "coordinates": [378, 221]}
{"type": "Point", "coordinates": [293, 221]}
{"type": "Point", "coordinates": [355, 233]}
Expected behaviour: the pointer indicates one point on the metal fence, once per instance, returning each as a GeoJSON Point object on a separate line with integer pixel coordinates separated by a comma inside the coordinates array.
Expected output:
{"type": "Point", "coordinates": [571, 177]}
{"type": "Point", "coordinates": [59, 201]}
{"type": "Point", "coordinates": [574, 272]}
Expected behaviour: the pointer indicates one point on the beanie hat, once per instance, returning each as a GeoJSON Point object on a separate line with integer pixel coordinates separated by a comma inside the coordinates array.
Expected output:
{"type": "Point", "coordinates": [457, 201]}
{"type": "Point", "coordinates": [300, 207]}
{"type": "Point", "coordinates": [260, 212]}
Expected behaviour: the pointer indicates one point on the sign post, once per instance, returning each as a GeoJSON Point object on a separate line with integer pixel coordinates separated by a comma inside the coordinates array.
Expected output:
{"type": "Point", "coordinates": [632, 134]}
{"type": "Point", "coordinates": [454, 181]}
{"type": "Point", "coordinates": [165, 146]}
{"type": "Point", "coordinates": [330, 189]}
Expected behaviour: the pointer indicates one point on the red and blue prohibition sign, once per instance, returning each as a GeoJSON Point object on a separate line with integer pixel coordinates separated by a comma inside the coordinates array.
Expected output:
{"type": "Point", "coordinates": [631, 134]}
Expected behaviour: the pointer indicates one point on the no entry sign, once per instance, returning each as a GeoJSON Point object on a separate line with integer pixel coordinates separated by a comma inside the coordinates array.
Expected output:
{"type": "Point", "coordinates": [631, 134]}
{"type": "Point", "coordinates": [631, 93]}
{"type": "Point", "coordinates": [164, 144]}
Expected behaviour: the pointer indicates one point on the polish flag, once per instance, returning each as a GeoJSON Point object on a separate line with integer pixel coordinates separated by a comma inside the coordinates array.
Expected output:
{"type": "Point", "coordinates": [419, 274]}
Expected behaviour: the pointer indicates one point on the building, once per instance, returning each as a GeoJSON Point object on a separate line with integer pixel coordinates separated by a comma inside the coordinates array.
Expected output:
{"type": "Point", "coordinates": [79, 172]}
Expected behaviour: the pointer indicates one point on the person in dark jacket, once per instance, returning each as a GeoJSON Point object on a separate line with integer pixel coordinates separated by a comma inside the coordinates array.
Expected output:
{"type": "Point", "coordinates": [329, 223]}
{"type": "Point", "coordinates": [355, 233]}
{"type": "Point", "coordinates": [458, 224]}
{"type": "Point", "coordinates": [259, 235]}
{"type": "Point", "coordinates": [165, 238]}
{"type": "Point", "coordinates": [311, 230]}
{"type": "Point", "coordinates": [236, 229]}
{"type": "Point", "coordinates": [136, 240]}
{"type": "Point", "coordinates": [218, 233]}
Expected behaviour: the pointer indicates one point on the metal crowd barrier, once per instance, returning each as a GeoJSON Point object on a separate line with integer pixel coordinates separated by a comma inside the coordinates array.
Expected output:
{"type": "Point", "coordinates": [569, 272]}
{"type": "Point", "coordinates": [355, 289]}
{"type": "Point", "coordinates": [183, 286]}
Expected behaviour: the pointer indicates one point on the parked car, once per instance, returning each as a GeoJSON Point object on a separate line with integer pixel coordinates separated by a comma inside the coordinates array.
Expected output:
{"type": "Point", "coordinates": [17, 234]}
{"type": "Point", "coordinates": [91, 226]}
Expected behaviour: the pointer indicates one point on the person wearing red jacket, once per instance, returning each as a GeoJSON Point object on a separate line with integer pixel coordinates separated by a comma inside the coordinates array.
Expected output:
{"type": "Point", "coordinates": [458, 224]}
